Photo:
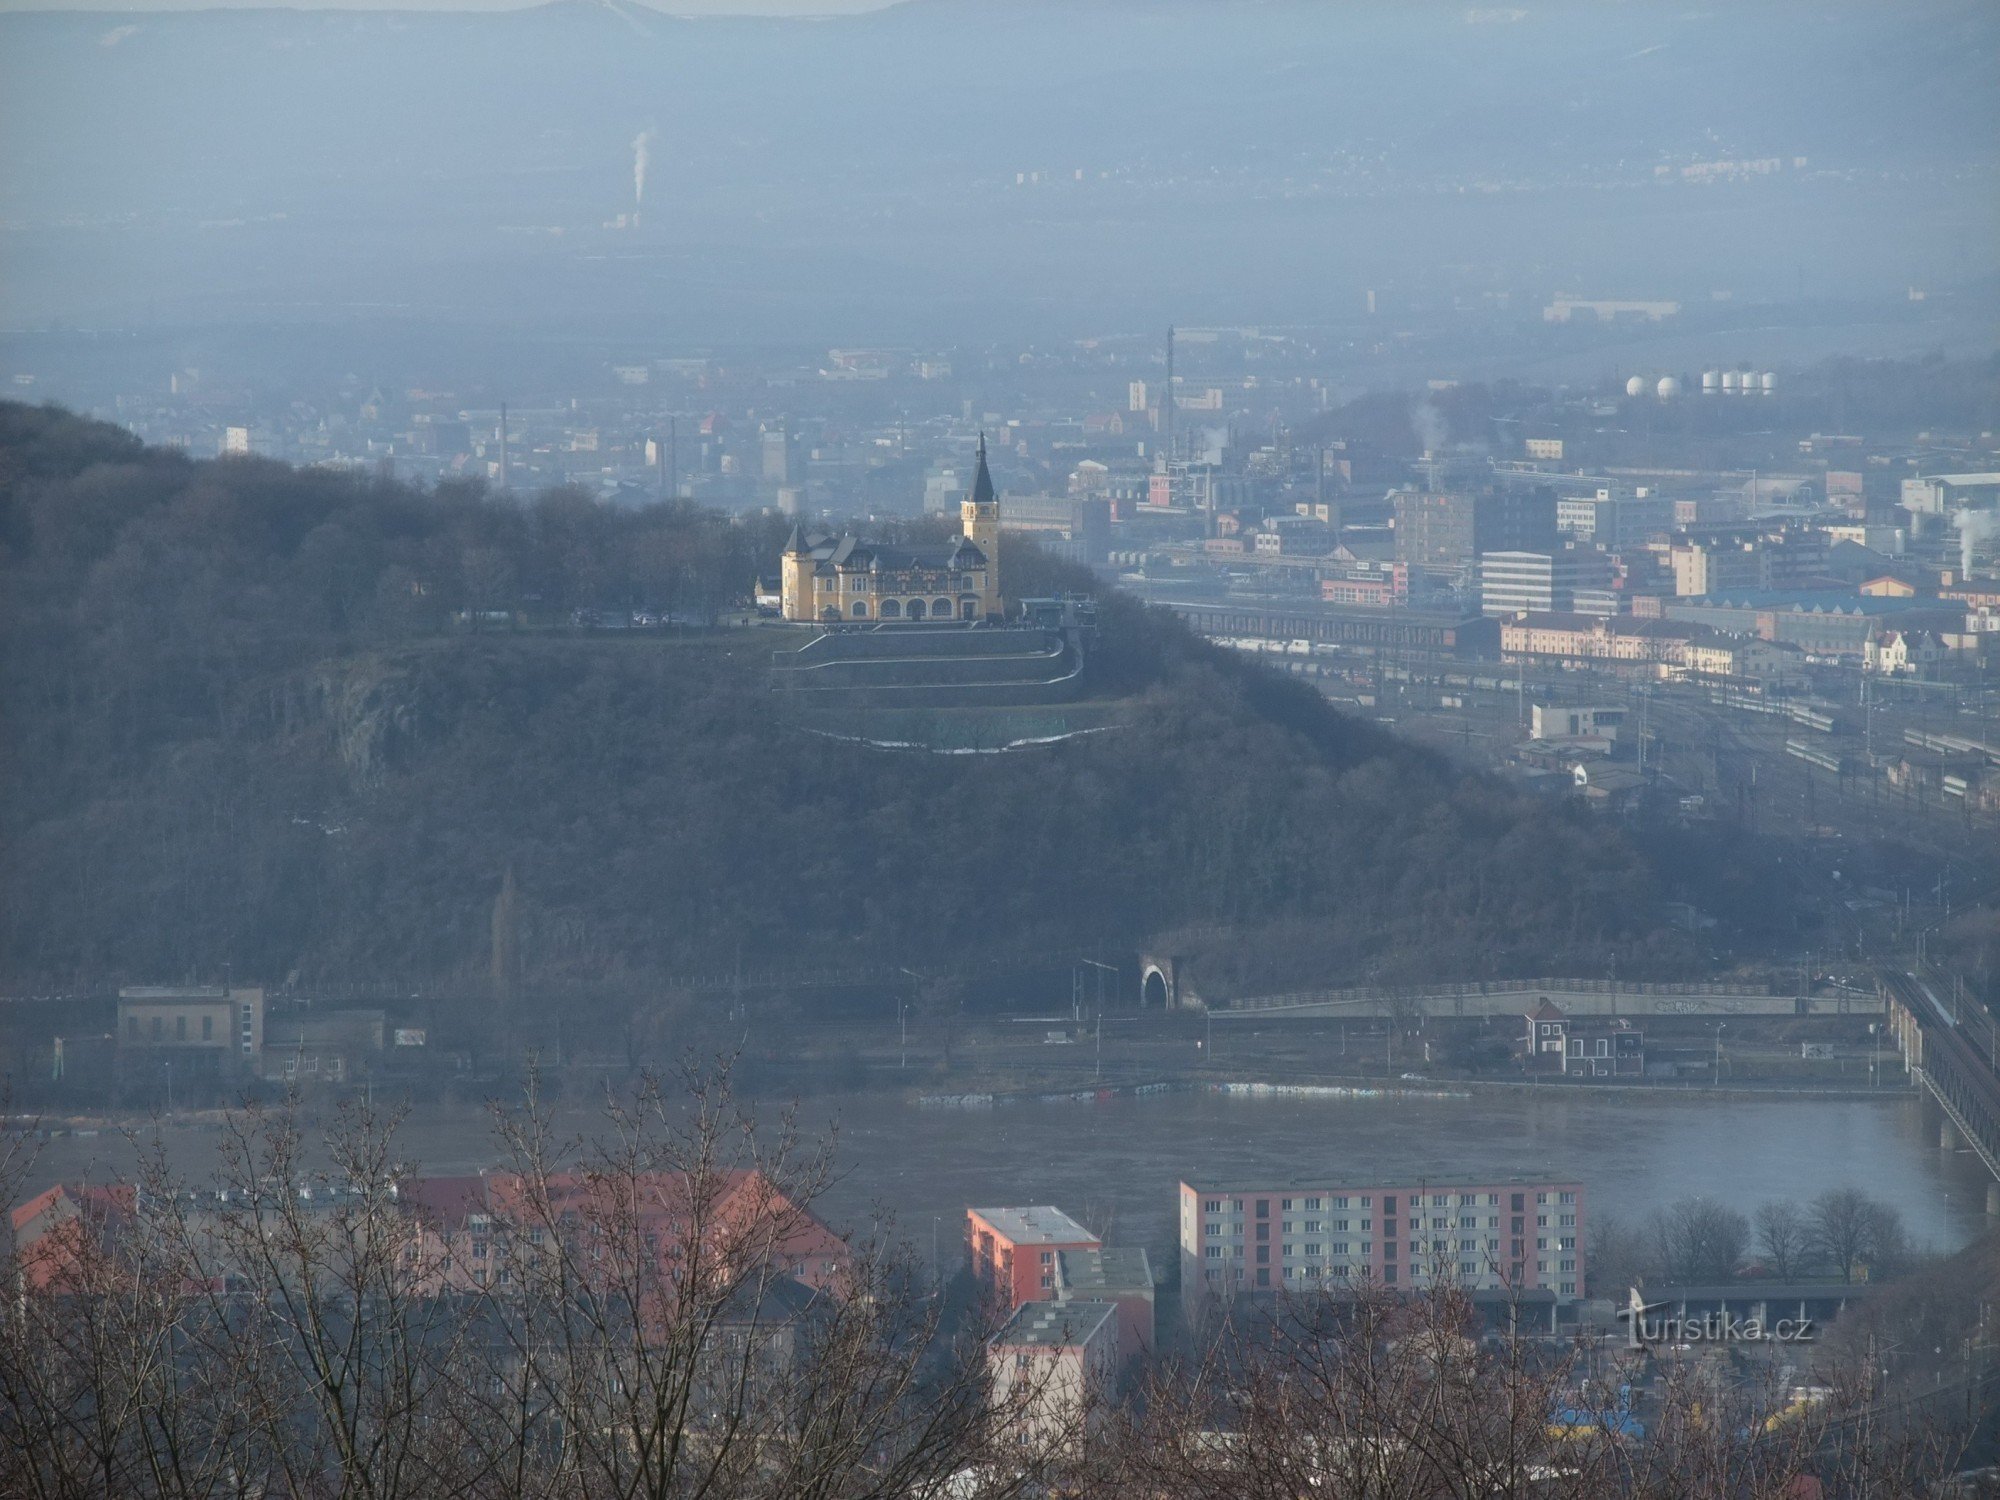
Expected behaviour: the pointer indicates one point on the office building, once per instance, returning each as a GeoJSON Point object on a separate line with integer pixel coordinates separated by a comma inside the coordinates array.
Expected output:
{"type": "Point", "coordinates": [1445, 530]}
{"type": "Point", "coordinates": [1512, 583]}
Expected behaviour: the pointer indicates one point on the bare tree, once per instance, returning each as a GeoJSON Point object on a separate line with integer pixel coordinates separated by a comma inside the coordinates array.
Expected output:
{"type": "Point", "coordinates": [1784, 1236]}
{"type": "Point", "coordinates": [1699, 1240]}
{"type": "Point", "coordinates": [657, 1313]}
{"type": "Point", "coordinates": [1848, 1227]}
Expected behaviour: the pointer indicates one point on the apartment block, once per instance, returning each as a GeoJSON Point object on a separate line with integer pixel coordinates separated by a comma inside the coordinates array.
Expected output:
{"type": "Point", "coordinates": [1014, 1250]}
{"type": "Point", "coordinates": [1517, 1236]}
{"type": "Point", "coordinates": [1052, 1366]}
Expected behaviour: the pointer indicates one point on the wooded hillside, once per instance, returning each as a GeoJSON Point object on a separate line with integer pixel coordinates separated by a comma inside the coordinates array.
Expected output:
{"type": "Point", "coordinates": [243, 733]}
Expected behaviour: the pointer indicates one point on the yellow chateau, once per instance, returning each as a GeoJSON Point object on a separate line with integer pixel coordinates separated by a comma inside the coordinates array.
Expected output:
{"type": "Point", "coordinates": [844, 579]}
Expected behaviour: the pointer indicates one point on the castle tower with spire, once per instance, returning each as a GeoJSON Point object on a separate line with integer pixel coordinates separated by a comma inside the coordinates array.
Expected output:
{"type": "Point", "coordinates": [849, 580]}
{"type": "Point", "coordinates": [979, 519]}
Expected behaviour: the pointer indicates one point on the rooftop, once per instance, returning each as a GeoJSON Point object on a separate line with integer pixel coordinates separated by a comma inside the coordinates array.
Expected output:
{"type": "Point", "coordinates": [1053, 1325]}
{"type": "Point", "coordinates": [1416, 1182]}
{"type": "Point", "coordinates": [1041, 1225]}
{"type": "Point", "coordinates": [1112, 1271]}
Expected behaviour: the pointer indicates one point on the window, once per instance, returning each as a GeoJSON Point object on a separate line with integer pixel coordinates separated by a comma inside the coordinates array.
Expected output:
{"type": "Point", "coordinates": [1340, 1202]}
{"type": "Point", "coordinates": [1212, 1206]}
{"type": "Point", "coordinates": [1568, 1221]}
{"type": "Point", "coordinates": [1312, 1205]}
{"type": "Point", "coordinates": [132, 1027]}
{"type": "Point", "coordinates": [1284, 1205]}
{"type": "Point", "coordinates": [1048, 1257]}
{"type": "Point", "coordinates": [1567, 1242]}
{"type": "Point", "coordinates": [1312, 1225]}
{"type": "Point", "coordinates": [1215, 1252]}
{"type": "Point", "coordinates": [1286, 1227]}
{"type": "Point", "coordinates": [159, 1028]}
{"type": "Point", "coordinates": [180, 1028]}
{"type": "Point", "coordinates": [208, 1028]}
{"type": "Point", "coordinates": [860, 609]}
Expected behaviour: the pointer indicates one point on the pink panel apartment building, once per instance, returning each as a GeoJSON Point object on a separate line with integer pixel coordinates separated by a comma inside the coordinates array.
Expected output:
{"type": "Point", "coordinates": [1487, 1236]}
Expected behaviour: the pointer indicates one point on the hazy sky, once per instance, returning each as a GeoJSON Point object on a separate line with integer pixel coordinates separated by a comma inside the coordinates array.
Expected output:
{"type": "Point", "coordinates": [672, 7]}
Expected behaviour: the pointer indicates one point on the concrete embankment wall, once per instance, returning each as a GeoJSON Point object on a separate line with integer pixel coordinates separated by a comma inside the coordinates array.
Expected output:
{"type": "Point", "coordinates": [1576, 998]}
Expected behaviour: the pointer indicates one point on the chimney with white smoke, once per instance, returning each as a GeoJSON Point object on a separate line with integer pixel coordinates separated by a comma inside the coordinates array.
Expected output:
{"type": "Point", "coordinates": [642, 155]}
{"type": "Point", "coordinates": [1429, 425]}
{"type": "Point", "coordinates": [1976, 529]}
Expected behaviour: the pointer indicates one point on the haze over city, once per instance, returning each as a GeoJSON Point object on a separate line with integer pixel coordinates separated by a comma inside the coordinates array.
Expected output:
{"type": "Point", "coordinates": [990, 748]}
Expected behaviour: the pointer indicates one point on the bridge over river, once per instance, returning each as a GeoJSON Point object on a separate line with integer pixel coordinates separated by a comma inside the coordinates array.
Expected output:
{"type": "Point", "coordinates": [1953, 1051]}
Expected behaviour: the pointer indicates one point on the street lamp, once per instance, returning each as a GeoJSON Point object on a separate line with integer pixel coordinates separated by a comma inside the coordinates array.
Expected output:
{"type": "Point", "coordinates": [1720, 1027]}
{"type": "Point", "coordinates": [1102, 970]}
{"type": "Point", "coordinates": [903, 1017]}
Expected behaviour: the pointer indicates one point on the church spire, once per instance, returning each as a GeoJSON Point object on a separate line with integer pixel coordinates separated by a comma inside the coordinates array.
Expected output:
{"type": "Point", "coordinates": [982, 481]}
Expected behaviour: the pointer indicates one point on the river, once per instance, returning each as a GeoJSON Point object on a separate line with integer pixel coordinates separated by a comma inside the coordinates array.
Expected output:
{"type": "Point", "coordinates": [1116, 1162]}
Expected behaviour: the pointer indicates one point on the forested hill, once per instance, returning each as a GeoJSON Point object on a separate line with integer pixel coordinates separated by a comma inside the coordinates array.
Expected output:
{"type": "Point", "coordinates": [242, 734]}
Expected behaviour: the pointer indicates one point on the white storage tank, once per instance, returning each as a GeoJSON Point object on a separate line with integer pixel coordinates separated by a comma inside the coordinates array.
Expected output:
{"type": "Point", "coordinates": [1769, 383]}
{"type": "Point", "coordinates": [1711, 382]}
{"type": "Point", "coordinates": [1731, 382]}
{"type": "Point", "coordinates": [1636, 386]}
{"type": "Point", "coordinates": [1669, 387]}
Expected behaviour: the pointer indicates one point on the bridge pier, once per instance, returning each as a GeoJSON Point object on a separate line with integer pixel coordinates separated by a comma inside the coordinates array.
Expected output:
{"type": "Point", "coordinates": [1948, 1137]}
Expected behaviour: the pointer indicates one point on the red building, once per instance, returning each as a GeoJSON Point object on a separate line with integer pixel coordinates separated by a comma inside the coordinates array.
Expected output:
{"type": "Point", "coordinates": [1014, 1250]}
